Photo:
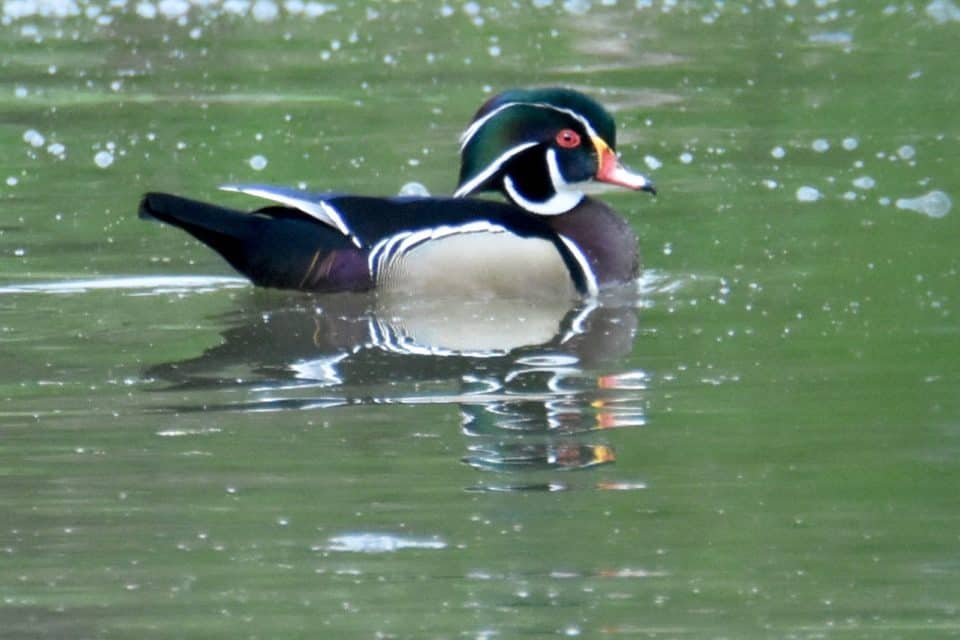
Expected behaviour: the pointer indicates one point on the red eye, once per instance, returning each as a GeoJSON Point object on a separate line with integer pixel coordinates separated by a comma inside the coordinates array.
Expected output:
{"type": "Point", "coordinates": [568, 139]}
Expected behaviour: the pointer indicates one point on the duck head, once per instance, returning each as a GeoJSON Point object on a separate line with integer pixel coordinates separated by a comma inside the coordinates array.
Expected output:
{"type": "Point", "coordinates": [538, 145]}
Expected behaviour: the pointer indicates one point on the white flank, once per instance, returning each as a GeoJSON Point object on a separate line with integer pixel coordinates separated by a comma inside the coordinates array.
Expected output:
{"type": "Point", "coordinates": [385, 253]}
{"type": "Point", "coordinates": [322, 211]}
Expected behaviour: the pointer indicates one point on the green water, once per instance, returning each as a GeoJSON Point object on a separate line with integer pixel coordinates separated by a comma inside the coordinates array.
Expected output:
{"type": "Point", "coordinates": [762, 442]}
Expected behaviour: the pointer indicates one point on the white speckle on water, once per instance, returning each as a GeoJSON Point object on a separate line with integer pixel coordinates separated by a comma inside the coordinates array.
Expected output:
{"type": "Point", "coordinates": [57, 149]}
{"type": "Point", "coordinates": [864, 182]}
{"type": "Point", "coordinates": [19, 252]}
{"type": "Point", "coordinates": [686, 157]}
{"type": "Point", "coordinates": [265, 11]}
{"type": "Point", "coordinates": [943, 11]}
{"type": "Point", "coordinates": [471, 8]}
{"type": "Point", "coordinates": [258, 162]}
{"type": "Point", "coordinates": [576, 7]}
{"type": "Point", "coordinates": [317, 9]}
{"type": "Point", "coordinates": [808, 194]}
{"type": "Point", "coordinates": [770, 183]}
{"type": "Point", "coordinates": [34, 138]}
{"type": "Point", "coordinates": [831, 37]}
{"type": "Point", "coordinates": [935, 204]}
{"type": "Point", "coordinates": [236, 7]}
{"type": "Point", "coordinates": [494, 50]}
{"type": "Point", "coordinates": [778, 152]}
{"type": "Point", "coordinates": [446, 11]}
{"type": "Point", "coordinates": [652, 162]}
{"type": "Point", "coordinates": [850, 143]}
{"type": "Point", "coordinates": [146, 10]}
{"type": "Point", "coordinates": [103, 159]}
{"type": "Point", "coordinates": [820, 145]}
{"type": "Point", "coordinates": [850, 195]}
{"type": "Point", "coordinates": [884, 201]}
{"type": "Point", "coordinates": [173, 9]}
{"type": "Point", "coordinates": [12, 181]}
{"type": "Point", "coordinates": [906, 152]}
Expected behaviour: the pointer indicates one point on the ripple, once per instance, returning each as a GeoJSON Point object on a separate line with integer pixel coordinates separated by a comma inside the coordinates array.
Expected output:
{"type": "Point", "coordinates": [378, 543]}
{"type": "Point", "coordinates": [145, 284]}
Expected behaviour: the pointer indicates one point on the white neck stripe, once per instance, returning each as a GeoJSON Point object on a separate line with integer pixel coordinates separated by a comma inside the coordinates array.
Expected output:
{"type": "Point", "coordinates": [589, 277]}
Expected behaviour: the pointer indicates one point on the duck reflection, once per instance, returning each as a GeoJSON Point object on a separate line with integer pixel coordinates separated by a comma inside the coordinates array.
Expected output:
{"type": "Point", "coordinates": [524, 374]}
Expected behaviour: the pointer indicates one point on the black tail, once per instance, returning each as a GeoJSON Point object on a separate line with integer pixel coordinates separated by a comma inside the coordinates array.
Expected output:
{"type": "Point", "coordinates": [273, 251]}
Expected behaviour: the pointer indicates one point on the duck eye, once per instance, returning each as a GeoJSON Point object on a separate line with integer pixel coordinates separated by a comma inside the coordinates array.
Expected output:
{"type": "Point", "coordinates": [568, 139]}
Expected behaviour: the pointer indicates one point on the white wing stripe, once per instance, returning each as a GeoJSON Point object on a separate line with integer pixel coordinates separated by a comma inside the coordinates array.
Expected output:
{"type": "Point", "coordinates": [322, 211]}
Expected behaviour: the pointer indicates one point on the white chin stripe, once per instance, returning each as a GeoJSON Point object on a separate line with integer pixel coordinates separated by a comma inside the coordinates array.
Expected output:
{"type": "Point", "coordinates": [318, 209]}
{"type": "Point", "coordinates": [559, 202]}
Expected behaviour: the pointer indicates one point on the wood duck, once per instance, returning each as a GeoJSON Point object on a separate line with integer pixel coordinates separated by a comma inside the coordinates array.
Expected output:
{"type": "Point", "coordinates": [536, 147]}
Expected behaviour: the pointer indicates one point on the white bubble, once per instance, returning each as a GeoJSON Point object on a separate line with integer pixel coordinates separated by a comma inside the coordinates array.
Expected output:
{"type": "Point", "coordinates": [935, 204]}
{"type": "Point", "coordinates": [103, 159]}
{"type": "Point", "coordinates": [808, 194]}
{"type": "Point", "coordinates": [943, 11]}
{"type": "Point", "coordinates": [57, 149]}
{"type": "Point", "coordinates": [173, 9]}
{"type": "Point", "coordinates": [258, 162]}
{"type": "Point", "coordinates": [34, 138]}
{"type": "Point", "coordinates": [12, 181]}
{"type": "Point", "coordinates": [146, 10]}
{"type": "Point", "coordinates": [686, 157]}
{"type": "Point", "coordinates": [864, 182]}
{"type": "Point", "coordinates": [236, 7]}
{"type": "Point", "coordinates": [906, 152]}
{"type": "Point", "coordinates": [850, 143]}
{"type": "Point", "coordinates": [770, 184]}
{"type": "Point", "coordinates": [494, 51]}
{"type": "Point", "coordinates": [778, 152]}
{"type": "Point", "coordinates": [652, 162]}
{"type": "Point", "coordinates": [265, 11]}
{"type": "Point", "coordinates": [820, 145]}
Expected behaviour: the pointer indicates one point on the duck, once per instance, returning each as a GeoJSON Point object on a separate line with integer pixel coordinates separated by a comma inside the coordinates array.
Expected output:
{"type": "Point", "coordinates": [538, 148]}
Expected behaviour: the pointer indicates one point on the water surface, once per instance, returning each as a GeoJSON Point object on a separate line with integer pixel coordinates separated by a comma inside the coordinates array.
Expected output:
{"type": "Point", "coordinates": [759, 441]}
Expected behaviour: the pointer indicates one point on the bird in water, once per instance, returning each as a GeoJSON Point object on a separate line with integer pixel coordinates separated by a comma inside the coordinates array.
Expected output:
{"type": "Point", "coordinates": [536, 147]}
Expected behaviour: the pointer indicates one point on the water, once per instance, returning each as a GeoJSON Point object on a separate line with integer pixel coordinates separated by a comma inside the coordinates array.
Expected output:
{"type": "Point", "coordinates": [760, 440]}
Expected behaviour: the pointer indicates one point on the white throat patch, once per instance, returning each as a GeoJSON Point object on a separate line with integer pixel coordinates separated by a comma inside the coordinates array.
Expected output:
{"type": "Point", "coordinates": [565, 196]}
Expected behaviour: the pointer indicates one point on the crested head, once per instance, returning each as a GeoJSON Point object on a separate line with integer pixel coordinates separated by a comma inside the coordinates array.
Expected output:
{"type": "Point", "coordinates": [537, 145]}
